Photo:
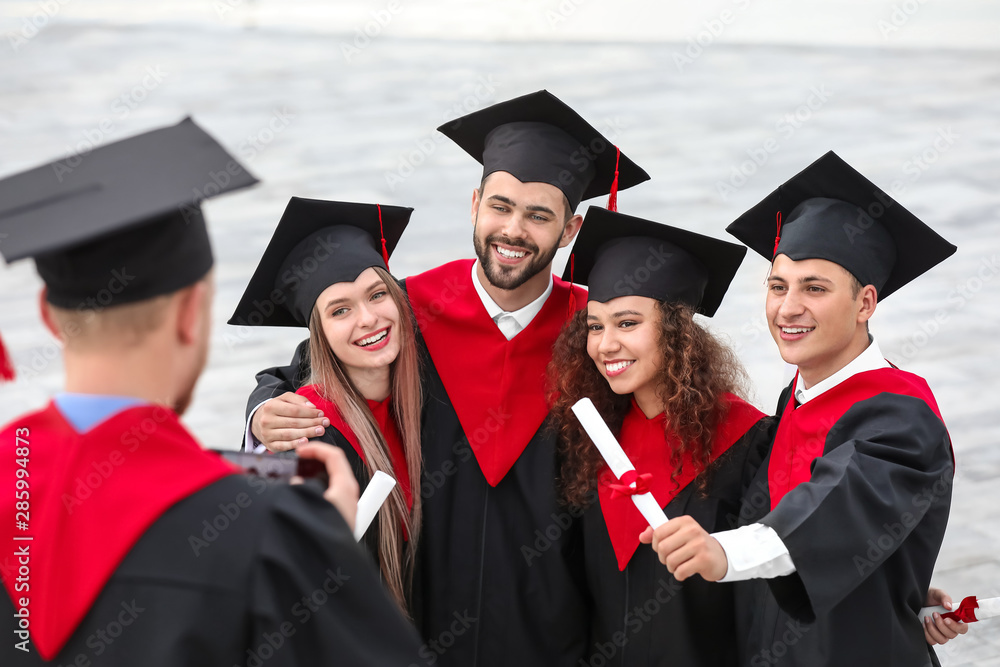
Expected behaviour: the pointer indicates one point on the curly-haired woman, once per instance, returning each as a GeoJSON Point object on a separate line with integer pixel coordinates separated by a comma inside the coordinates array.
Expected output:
{"type": "Point", "coordinates": [670, 392]}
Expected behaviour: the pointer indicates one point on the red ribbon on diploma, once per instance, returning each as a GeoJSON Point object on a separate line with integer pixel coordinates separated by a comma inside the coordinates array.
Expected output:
{"type": "Point", "coordinates": [628, 479]}
{"type": "Point", "coordinates": [966, 611]}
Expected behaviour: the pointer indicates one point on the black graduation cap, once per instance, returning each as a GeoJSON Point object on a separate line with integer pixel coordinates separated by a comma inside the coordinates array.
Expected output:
{"type": "Point", "coordinates": [121, 223]}
{"type": "Point", "coordinates": [538, 138]}
{"type": "Point", "coordinates": [830, 211]}
{"type": "Point", "coordinates": [317, 243]}
{"type": "Point", "coordinates": [621, 255]}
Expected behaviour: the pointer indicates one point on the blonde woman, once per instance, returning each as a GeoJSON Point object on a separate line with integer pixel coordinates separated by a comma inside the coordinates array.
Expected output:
{"type": "Point", "coordinates": [326, 268]}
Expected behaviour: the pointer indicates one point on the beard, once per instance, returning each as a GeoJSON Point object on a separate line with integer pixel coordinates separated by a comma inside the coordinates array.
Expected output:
{"type": "Point", "coordinates": [511, 277]}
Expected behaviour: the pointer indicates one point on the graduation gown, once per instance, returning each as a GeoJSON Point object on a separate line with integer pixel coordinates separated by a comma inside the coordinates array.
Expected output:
{"type": "Point", "coordinates": [500, 565]}
{"type": "Point", "coordinates": [642, 614]}
{"type": "Point", "coordinates": [340, 435]}
{"type": "Point", "coordinates": [149, 550]}
{"type": "Point", "coordinates": [860, 482]}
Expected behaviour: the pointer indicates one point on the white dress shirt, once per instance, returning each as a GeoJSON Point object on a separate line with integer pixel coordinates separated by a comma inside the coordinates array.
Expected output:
{"type": "Point", "coordinates": [756, 551]}
{"type": "Point", "coordinates": [509, 323]}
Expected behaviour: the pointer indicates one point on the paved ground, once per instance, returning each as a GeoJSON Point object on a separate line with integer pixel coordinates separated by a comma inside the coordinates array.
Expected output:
{"type": "Point", "coordinates": [325, 116]}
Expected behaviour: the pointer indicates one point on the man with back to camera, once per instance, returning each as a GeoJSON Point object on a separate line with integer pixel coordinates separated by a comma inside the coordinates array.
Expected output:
{"type": "Point", "coordinates": [846, 516]}
{"type": "Point", "coordinates": [133, 545]}
{"type": "Point", "coordinates": [501, 579]}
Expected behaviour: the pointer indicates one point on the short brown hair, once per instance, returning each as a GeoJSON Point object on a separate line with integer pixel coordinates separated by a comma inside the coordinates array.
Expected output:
{"type": "Point", "coordinates": [123, 325]}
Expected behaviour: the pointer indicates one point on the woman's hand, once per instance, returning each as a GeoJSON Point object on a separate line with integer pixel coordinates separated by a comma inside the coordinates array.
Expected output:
{"type": "Point", "coordinates": [687, 549]}
{"type": "Point", "coordinates": [938, 630]}
{"type": "Point", "coordinates": [343, 490]}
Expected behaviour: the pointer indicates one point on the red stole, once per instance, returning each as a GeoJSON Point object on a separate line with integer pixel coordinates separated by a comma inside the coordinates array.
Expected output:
{"type": "Point", "coordinates": [386, 424]}
{"type": "Point", "coordinates": [496, 386]}
{"type": "Point", "coordinates": [92, 496]}
{"type": "Point", "coordinates": [649, 449]}
{"type": "Point", "coordinates": [802, 431]}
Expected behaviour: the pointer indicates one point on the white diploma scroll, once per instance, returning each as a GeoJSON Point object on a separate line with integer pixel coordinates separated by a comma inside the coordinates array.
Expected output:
{"type": "Point", "coordinates": [987, 608]}
{"type": "Point", "coordinates": [371, 501]}
{"type": "Point", "coordinates": [612, 452]}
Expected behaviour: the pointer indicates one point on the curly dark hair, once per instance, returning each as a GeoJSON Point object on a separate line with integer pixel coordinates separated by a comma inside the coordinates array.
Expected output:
{"type": "Point", "coordinates": [696, 372]}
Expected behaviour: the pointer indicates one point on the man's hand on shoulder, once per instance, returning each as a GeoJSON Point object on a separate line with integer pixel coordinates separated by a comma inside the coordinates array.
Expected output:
{"type": "Point", "coordinates": [286, 422]}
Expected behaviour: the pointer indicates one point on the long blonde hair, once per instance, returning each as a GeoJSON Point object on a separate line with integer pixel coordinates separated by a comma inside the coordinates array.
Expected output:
{"type": "Point", "coordinates": [336, 386]}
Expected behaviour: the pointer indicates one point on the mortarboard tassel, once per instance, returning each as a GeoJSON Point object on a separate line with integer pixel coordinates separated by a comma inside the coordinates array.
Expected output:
{"type": "Point", "coordinates": [777, 238]}
{"type": "Point", "coordinates": [572, 292]}
{"type": "Point", "coordinates": [381, 232]}
{"type": "Point", "coordinates": [6, 365]}
{"type": "Point", "coordinates": [613, 197]}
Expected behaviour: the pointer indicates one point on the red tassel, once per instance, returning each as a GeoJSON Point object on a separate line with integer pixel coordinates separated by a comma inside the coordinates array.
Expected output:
{"type": "Point", "coordinates": [572, 292]}
{"type": "Point", "coordinates": [613, 197]}
{"type": "Point", "coordinates": [381, 231]}
{"type": "Point", "coordinates": [6, 365]}
{"type": "Point", "coordinates": [777, 238]}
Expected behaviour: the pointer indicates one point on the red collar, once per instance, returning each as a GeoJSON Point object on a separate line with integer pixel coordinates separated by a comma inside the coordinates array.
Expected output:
{"type": "Point", "coordinates": [93, 495]}
{"type": "Point", "coordinates": [803, 429]}
{"type": "Point", "coordinates": [649, 449]}
{"type": "Point", "coordinates": [496, 386]}
{"type": "Point", "coordinates": [386, 424]}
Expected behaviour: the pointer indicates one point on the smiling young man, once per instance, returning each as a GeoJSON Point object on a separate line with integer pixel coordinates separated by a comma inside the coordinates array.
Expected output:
{"type": "Point", "coordinates": [501, 577]}
{"type": "Point", "coordinates": [845, 517]}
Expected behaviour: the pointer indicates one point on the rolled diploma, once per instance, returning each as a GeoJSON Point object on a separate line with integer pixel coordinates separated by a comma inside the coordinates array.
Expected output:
{"type": "Point", "coordinates": [612, 452]}
{"type": "Point", "coordinates": [371, 501]}
{"type": "Point", "coordinates": [988, 608]}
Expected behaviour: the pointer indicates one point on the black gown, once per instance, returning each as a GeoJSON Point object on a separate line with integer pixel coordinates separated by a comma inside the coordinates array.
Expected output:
{"type": "Point", "coordinates": [500, 568]}
{"type": "Point", "coordinates": [643, 615]}
{"type": "Point", "coordinates": [241, 571]}
{"type": "Point", "coordinates": [863, 533]}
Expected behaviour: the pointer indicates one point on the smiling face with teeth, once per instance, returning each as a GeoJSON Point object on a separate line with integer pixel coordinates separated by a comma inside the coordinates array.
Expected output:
{"type": "Point", "coordinates": [623, 340]}
{"type": "Point", "coordinates": [517, 228]}
{"type": "Point", "coordinates": [360, 321]}
{"type": "Point", "coordinates": [817, 316]}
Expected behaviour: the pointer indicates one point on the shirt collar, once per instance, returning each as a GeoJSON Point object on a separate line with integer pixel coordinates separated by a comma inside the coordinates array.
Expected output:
{"type": "Point", "coordinates": [523, 316]}
{"type": "Point", "coordinates": [869, 360]}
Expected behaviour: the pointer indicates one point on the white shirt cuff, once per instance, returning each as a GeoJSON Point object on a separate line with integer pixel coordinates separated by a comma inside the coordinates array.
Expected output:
{"type": "Point", "coordinates": [251, 443]}
{"type": "Point", "coordinates": [754, 552]}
